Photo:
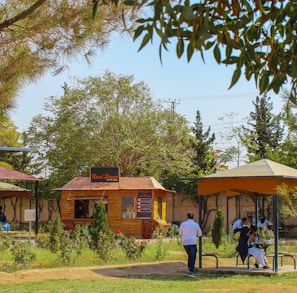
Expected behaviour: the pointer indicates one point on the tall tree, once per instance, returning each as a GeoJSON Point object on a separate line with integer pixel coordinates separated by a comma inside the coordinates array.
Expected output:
{"type": "Point", "coordinates": [108, 121]}
{"type": "Point", "coordinates": [37, 36]}
{"type": "Point", "coordinates": [263, 138]}
{"type": "Point", "coordinates": [288, 155]}
{"type": "Point", "coordinates": [204, 161]}
{"type": "Point", "coordinates": [258, 37]}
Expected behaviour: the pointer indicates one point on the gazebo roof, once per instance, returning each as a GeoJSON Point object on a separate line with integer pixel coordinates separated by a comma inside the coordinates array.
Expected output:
{"type": "Point", "coordinates": [261, 168]}
{"type": "Point", "coordinates": [261, 177]}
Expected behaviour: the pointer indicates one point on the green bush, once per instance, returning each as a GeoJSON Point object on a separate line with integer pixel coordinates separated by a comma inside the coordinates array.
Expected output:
{"type": "Point", "coordinates": [161, 249]}
{"type": "Point", "coordinates": [105, 245]}
{"type": "Point", "coordinates": [22, 253]}
{"type": "Point", "coordinates": [55, 234]}
{"type": "Point", "coordinates": [131, 248]}
{"type": "Point", "coordinates": [217, 230]}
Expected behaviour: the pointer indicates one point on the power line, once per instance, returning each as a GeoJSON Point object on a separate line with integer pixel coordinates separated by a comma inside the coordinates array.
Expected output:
{"type": "Point", "coordinates": [173, 104]}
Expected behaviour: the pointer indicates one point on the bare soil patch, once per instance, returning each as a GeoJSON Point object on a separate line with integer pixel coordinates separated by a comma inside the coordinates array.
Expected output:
{"type": "Point", "coordinates": [173, 269]}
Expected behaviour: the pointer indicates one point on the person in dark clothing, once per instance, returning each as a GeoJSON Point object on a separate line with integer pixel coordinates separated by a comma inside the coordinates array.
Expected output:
{"type": "Point", "coordinates": [4, 221]}
{"type": "Point", "coordinates": [242, 247]}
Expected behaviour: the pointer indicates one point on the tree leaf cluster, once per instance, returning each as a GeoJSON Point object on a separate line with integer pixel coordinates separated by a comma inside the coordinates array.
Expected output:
{"type": "Point", "coordinates": [38, 36]}
{"type": "Point", "coordinates": [258, 38]}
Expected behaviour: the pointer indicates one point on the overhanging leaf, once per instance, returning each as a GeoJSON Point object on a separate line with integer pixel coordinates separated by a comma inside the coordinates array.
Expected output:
{"type": "Point", "coordinates": [235, 77]}
{"type": "Point", "coordinates": [145, 40]}
{"type": "Point", "coordinates": [217, 54]}
{"type": "Point", "coordinates": [180, 47]}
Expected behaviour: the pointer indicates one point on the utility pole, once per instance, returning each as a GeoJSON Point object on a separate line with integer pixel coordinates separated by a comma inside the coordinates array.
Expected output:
{"type": "Point", "coordinates": [173, 105]}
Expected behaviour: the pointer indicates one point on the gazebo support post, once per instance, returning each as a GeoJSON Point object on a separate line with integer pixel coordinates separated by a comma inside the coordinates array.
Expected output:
{"type": "Point", "coordinates": [256, 209]}
{"type": "Point", "coordinates": [238, 206]}
{"type": "Point", "coordinates": [275, 229]}
{"type": "Point", "coordinates": [227, 216]}
{"type": "Point", "coordinates": [36, 207]}
{"type": "Point", "coordinates": [200, 238]}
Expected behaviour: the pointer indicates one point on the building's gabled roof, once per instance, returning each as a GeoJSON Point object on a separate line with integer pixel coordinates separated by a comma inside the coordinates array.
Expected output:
{"type": "Point", "coordinates": [15, 175]}
{"type": "Point", "coordinates": [128, 183]}
{"type": "Point", "coordinates": [9, 190]}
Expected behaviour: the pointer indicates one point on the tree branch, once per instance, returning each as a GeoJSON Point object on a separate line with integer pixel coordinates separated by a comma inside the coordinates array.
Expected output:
{"type": "Point", "coordinates": [22, 15]}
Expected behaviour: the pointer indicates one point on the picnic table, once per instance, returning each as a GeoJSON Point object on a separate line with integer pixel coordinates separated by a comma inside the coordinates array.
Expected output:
{"type": "Point", "coordinates": [264, 245]}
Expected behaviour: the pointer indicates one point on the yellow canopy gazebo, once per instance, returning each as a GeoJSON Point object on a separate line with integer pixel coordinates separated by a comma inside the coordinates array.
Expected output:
{"type": "Point", "coordinates": [260, 178]}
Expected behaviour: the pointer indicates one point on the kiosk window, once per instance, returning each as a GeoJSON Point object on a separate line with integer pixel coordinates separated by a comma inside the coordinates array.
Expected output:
{"type": "Point", "coordinates": [160, 215]}
{"type": "Point", "coordinates": [81, 209]}
{"type": "Point", "coordinates": [128, 207]}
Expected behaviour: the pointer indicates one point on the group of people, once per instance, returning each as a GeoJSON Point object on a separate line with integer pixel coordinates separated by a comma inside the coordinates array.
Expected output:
{"type": "Point", "coordinates": [250, 221]}
{"type": "Point", "coordinates": [247, 245]}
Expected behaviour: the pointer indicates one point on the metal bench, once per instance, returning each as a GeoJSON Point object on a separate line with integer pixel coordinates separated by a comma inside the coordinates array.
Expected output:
{"type": "Point", "coordinates": [248, 260]}
{"type": "Point", "coordinates": [284, 232]}
{"type": "Point", "coordinates": [213, 255]}
{"type": "Point", "coordinates": [282, 255]}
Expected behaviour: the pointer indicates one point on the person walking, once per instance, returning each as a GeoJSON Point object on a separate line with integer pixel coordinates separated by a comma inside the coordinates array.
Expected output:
{"type": "Point", "coordinates": [190, 230]}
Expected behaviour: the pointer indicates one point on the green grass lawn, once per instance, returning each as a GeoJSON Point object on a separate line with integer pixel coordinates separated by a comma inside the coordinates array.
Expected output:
{"type": "Point", "coordinates": [169, 250]}
{"type": "Point", "coordinates": [203, 283]}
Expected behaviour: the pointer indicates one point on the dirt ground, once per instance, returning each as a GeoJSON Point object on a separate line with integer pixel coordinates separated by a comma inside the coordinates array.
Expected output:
{"type": "Point", "coordinates": [173, 269]}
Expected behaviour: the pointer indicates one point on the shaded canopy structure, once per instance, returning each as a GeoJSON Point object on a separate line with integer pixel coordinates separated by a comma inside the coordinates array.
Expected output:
{"type": "Point", "coordinates": [9, 190]}
{"type": "Point", "coordinates": [13, 149]}
{"type": "Point", "coordinates": [260, 178]}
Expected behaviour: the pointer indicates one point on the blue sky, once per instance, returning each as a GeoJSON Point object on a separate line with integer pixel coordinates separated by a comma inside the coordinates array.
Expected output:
{"type": "Point", "coordinates": [192, 86]}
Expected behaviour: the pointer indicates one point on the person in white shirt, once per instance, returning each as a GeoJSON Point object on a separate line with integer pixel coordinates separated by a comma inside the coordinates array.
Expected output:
{"type": "Point", "coordinates": [238, 224]}
{"type": "Point", "coordinates": [263, 222]}
{"type": "Point", "coordinates": [190, 230]}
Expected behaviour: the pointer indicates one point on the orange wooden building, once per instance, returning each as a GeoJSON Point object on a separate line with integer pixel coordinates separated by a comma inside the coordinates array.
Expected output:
{"type": "Point", "coordinates": [134, 205]}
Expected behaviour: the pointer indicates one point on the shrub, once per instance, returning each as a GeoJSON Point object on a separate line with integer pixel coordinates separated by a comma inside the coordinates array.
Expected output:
{"type": "Point", "coordinates": [65, 247]}
{"type": "Point", "coordinates": [5, 240]}
{"type": "Point", "coordinates": [131, 248]}
{"type": "Point", "coordinates": [99, 225]}
{"type": "Point", "coordinates": [105, 245]}
{"type": "Point", "coordinates": [217, 230]}
{"type": "Point", "coordinates": [43, 241]}
{"type": "Point", "coordinates": [55, 234]}
{"type": "Point", "coordinates": [22, 253]}
{"type": "Point", "coordinates": [159, 234]}
{"type": "Point", "coordinates": [81, 238]}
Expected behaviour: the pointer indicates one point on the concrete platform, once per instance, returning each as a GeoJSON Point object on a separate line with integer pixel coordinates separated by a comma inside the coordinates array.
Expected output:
{"type": "Point", "coordinates": [228, 266]}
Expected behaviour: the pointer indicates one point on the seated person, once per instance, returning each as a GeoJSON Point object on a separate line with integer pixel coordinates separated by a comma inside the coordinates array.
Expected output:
{"type": "Point", "coordinates": [251, 221]}
{"type": "Point", "coordinates": [263, 222]}
{"type": "Point", "coordinates": [4, 221]}
{"type": "Point", "coordinates": [254, 250]}
{"type": "Point", "coordinates": [238, 224]}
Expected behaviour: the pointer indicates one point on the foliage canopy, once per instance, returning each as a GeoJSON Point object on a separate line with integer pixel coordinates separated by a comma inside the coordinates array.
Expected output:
{"type": "Point", "coordinates": [258, 37]}
{"type": "Point", "coordinates": [42, 35]}
{"type": "Point", "coordinates": [108, 121]}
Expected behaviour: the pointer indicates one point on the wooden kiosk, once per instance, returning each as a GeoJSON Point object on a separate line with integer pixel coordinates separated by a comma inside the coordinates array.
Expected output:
{"type": "Point", "coordinates": [134, 205]}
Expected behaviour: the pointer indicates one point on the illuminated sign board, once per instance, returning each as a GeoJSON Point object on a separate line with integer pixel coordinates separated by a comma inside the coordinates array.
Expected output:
{"type": "Point", "coordinates": [108, 174]}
